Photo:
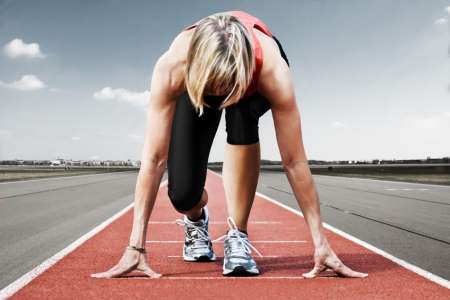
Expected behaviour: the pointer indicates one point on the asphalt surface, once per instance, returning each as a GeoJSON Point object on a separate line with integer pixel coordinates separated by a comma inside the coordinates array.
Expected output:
{"type": "Point", "coordinates": [38, 218]}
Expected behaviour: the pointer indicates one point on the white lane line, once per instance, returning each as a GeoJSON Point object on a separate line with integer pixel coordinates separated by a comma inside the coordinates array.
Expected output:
{"type": "Point", "coordinates": [65, 177]}
{"type": "Point", "coordinates": [430, 276]}
{"type": "Point", "coordinates": [269, 256]}
{"type": "Point", "coordinates": [253, 242]}
{"type": "Point", "coordinates": [217, 222]}
{"type": "Point", "coordinates": [227, 278]}
{"type": "Point", "coordinates": [22, 281]}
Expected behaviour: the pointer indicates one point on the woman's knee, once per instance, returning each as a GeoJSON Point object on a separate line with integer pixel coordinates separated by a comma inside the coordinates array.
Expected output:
{"type": "Point", "coordinates": [186, 198]}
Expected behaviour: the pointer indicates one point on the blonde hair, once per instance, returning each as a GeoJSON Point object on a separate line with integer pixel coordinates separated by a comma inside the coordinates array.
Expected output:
{"type": "Point", "coordinates": [220, 60]}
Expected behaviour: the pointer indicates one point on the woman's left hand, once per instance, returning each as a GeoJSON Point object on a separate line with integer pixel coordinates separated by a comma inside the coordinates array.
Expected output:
{"type": "Point", "coordinates": [325, 258]}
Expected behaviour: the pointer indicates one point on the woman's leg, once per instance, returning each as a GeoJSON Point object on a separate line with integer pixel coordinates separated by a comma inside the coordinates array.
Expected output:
{"type": "Point", "coordinates": [189, 149]}
{"type": "Point", "coordinates": [242, 156]}
{"type": "Point", "coordinates": [240, 174]}
{"type": "Point", "coordinates": [242, 153]}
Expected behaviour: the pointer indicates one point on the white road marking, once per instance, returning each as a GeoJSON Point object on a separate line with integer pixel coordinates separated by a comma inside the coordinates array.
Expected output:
{"type": "Point", "coordinates": [228, 278]}
{"type": "Point", "coordinates": [22, 281]}
{"type": "Point", "coordinates": [253, 242]}
{"type": "Point", "coordinates": [268, 256]}
{"type": "Point", "coordinates": [217, 222]}
{"type": "Point", "coordinates": [430, 276]}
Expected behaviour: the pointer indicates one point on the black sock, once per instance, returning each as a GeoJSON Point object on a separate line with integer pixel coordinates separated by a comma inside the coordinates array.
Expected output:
{"type": "Point", "coordinates": [202, 217]}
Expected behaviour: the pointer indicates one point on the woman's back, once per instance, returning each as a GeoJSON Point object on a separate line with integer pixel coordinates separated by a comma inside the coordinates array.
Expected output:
{"type": "Point", "coordinates": [176, 57]}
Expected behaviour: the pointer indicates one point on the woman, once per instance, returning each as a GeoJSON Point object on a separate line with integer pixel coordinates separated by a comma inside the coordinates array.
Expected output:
{"type": "Point", "coordinates": [216, 64]}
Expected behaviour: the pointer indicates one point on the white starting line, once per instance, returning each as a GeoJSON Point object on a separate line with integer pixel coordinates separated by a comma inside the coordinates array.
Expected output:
{"type": "Point", "coordinates": [217, 222]}
{"type": "Point", "coordinates": [225, 278]}
{"type": "Point", "coordinates": [253, 242]}
{"type": "Point", "coordinates": [180, 256]}
{"type": "Point", "coordinates": [228, 278]}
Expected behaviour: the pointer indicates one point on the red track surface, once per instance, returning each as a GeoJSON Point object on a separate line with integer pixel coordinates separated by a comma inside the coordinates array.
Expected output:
{"type": "Point", "coordinates": [281, 275]}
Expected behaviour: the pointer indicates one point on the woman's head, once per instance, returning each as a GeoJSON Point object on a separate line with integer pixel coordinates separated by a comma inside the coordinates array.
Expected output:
{"type": "Point", "coordinates": [220, 60]}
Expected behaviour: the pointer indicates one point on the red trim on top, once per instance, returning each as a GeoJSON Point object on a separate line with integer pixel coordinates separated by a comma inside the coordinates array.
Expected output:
{"type": "Point", "coordinates": [250, 22]}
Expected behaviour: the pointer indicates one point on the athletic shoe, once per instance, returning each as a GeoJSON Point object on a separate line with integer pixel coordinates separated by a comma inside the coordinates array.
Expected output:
{"type": "Point", "coordinates": [197, 244]}
{"type": "Point", "coordinates": [237, 253]}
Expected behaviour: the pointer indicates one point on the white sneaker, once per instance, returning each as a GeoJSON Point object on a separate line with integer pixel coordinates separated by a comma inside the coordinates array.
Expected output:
{"type": "Point", "coordinates": [197, 244]}
{"type": "Point", "coordinates": [237, 253]}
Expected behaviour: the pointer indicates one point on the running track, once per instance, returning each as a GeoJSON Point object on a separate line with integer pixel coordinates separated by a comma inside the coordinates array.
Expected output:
{"type": "Point", "coordinates": [279, 233]}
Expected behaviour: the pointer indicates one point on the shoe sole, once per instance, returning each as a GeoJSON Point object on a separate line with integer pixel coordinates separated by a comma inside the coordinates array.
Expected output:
{"type": "Point", "coordinates": [203, 258]}
{"type": "Point", "coordinates": [240, 271]}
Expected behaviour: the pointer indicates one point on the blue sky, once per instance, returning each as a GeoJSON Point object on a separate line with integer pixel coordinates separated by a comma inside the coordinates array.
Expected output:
{"type": "Point", "coordinates": [372, 78]}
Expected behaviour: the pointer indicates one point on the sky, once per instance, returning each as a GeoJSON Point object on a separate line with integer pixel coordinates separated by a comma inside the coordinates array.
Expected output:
{"type": "Point", "coordinates": [372, 78]}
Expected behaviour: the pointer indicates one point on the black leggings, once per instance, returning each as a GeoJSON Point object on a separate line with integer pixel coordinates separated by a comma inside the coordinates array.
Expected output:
{"type": "Point", "coordinates": [192, 138]}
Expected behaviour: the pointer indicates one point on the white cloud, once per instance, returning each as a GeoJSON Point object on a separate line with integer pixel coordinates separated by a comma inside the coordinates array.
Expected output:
{"type": "Point", "coordinates": [95, 157]}
{"type": "Point", "coordinates": [75, 138]}
{"type": "Point", "coordinates": [447, 9]}
{"type": "Point", "coordinates": [17, 48]}
{"type": "Point", "coordinates": [123, 95]}
{"type": "Point", "coordinates": [337, 124]}
{"type": "Point", "coordinates": [441, 21]}
{"type": "Point", "coordinates": [26, 83]}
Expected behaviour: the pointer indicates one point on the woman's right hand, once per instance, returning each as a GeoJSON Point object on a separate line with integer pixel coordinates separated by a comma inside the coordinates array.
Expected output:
{"type": "Point", "coordinates": [131, 260]}
{"type": "Point", "coordinates": [325, 258]}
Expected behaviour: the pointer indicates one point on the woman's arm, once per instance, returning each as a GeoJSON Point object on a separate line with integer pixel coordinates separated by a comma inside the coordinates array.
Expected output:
{"type": "Point", "coordinates": [166, 84]}
{"type": "Point", "coordinates": [277, 85]}
{"type": "Point", "coordinates": [160, 114]}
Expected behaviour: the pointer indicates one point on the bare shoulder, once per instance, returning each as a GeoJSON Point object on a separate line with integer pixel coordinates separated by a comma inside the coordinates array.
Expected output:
{"type": "Point", "coordinates": [275, 80]}
{"type": "Point", "coordinates": [170, 66]}
{"type": "Point", "coordinates": [271, 53]}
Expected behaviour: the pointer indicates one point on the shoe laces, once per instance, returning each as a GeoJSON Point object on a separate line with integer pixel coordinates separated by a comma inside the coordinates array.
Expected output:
{"type": "Point", "coordinates": [201, 237]}
{"type": "Point", "coordinates": [236, 241]}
